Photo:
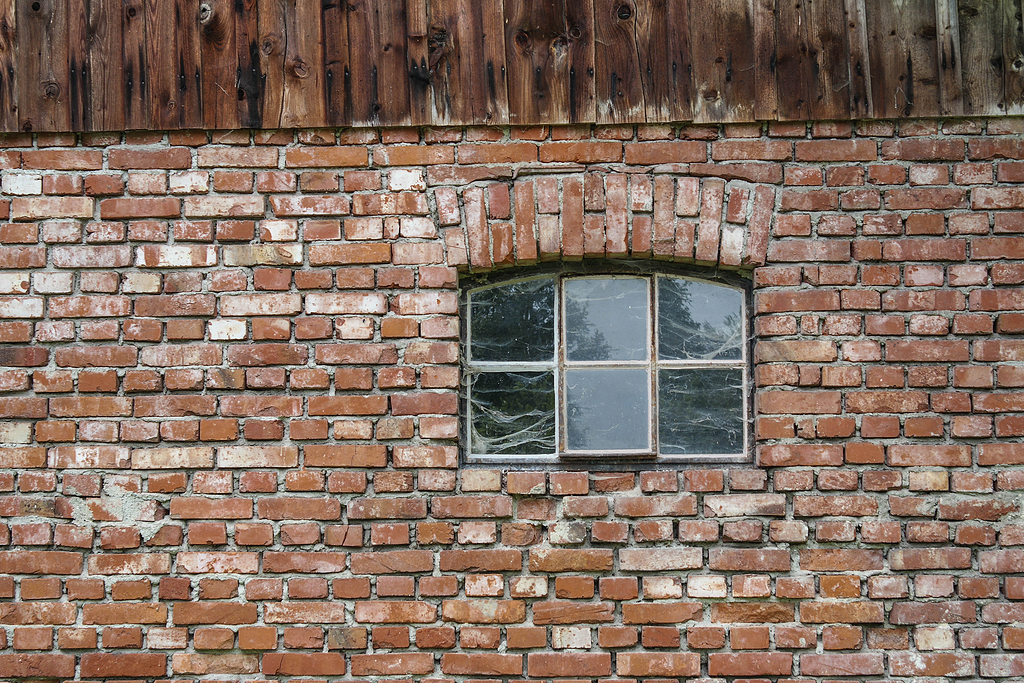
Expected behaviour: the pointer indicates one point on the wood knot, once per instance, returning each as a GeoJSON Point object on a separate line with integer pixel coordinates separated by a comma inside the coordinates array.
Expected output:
{"type": "Point", "coordinates": [51, 90]}
{"type": "Point", "coordinates": [299, 68]}
{"type": "Point", "coordinates": [575, 33]}
{"type": "Point", "coordinates": [269, 44]}
{"type": "Point", "coordinates": [205, 13]}
{"type": "Point", "coordinates": [623, 12]}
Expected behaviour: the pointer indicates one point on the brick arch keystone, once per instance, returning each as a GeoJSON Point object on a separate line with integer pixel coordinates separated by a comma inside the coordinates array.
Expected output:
{"type": "Point", "coordinates": [673, 217]}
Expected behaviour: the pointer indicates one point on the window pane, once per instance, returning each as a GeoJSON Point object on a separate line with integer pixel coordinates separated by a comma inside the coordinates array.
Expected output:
{"type": "Point", "coordinates": [607, 409]}
{"type": "Point", "coordinates": [513, 322]}
{"type": "Point", "coordinates": [513, 412]}
{"type": "Point", "coordinates": [606, 319]}
{"type": "Point", "coordinates": [698, 320]}
{"type": "Point", "coordinates": [700, 410]}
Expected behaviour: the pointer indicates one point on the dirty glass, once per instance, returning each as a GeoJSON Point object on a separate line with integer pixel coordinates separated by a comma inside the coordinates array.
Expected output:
{"type": "Point", "coordinates": [513, 412]}
{"type": "Point", "coordinates": [700, 410]}
{"type": "Point", "coordinates": [699, 320]}
{"type": "Point", "coordinates": [606, 319]}
{"type": "Point", "coordinates": [514, 322]}
{"type": "Point", "coordinates": [607, 409]}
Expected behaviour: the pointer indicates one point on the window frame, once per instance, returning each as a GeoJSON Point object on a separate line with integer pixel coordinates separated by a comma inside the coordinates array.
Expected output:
{"type": "Point", "coordinates": [605, 460]}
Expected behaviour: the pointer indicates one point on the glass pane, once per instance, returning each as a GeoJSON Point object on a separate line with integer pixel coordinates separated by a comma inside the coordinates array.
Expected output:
{"type": "Point", "coordinates": [513, 322]}
{"type": "Point", "coordinates": [607, 409]}
{"type": "Point", "coordinates": [700, 410]}
{"type": "Point", "coordinates": [698, 320]}
{"type": "Point", "coordinates": [606, 319]}
{"type": "Point", "coordinates": [513, 413]}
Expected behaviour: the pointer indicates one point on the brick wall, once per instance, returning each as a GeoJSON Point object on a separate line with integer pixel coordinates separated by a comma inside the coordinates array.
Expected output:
{"type": "Point", "coordinates": [229, 409]}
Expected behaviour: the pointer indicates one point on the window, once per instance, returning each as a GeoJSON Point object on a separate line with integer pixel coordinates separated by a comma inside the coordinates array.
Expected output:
{"type": "Point", "coordinates": [610, 367]}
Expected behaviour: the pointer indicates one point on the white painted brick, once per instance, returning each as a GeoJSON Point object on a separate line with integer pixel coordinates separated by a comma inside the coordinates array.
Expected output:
{"type": "Point", "coordinates": [22, 183]}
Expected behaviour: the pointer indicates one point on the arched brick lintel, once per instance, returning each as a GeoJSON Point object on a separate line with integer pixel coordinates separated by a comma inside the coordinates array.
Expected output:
{"type": "Point", "coordinates": [599, 214]}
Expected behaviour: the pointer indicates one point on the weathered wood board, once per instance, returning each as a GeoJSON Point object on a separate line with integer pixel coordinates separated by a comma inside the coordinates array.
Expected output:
{"type": "Point", "coordinates": [225, 64]}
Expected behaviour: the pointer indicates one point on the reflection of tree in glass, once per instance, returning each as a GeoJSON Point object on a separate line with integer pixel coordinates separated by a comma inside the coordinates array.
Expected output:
{"type": "Point", "coordinates": [701, 411]}
{"type": "Point", "coordinates": [513, 322]}
{"type": "Point", "coordinates": [682, 337]}
{"type": "Point", "coordinates": [513, 413]}
{"type": "Point", "coordinates": [583, 339]}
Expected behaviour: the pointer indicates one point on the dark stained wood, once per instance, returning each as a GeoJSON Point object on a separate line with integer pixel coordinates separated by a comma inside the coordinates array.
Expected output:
{"type": "Point", "coordinates": [951, 101]}
{"type": "Point", "coordinates": [272, 45]}
{"type": "Point", "coordinates": [172, 33]}
{"type": "Point", "coordinates": [248, 76]}
{"type": "Point", "coordinates": [135, 74]}
{"type": "Point", "coordinates": [303, 101]}
{"type": "Point", "coordinates": [337, 71]}
{"type": "Point", "coordinates": [860, 62]}
{"type": "Point", "coordinates": [549, 50]}
{"type": "Point", "coordinates": [618, 84]}
{"type": "Point", "coordinates": [467, 54]}
{"type": "Point", "coordinates": [220, 64]}
{"type": "Point", "coordinates": [44, 97]}
{"type": "Point", "coordinates": [902, 39]}
{"type": "Point", "coordinates": [722, 54]}
{"type": "Point", "coordinates": [172, 64]}
{"type": "Point", "coordinates": [417, 58]}
{"type": "Point", "coordinates": [78, 67]}
{"type": "Point", "coordinates": [812, 60]}
{"type": "Point", "coordinates": [766, 95]}
{"type": "Point", "coordinates": [8, 66]}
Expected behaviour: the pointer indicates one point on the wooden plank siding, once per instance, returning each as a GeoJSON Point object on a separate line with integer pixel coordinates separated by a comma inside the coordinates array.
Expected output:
{"type": "Point", "coordinates": [225, 64]}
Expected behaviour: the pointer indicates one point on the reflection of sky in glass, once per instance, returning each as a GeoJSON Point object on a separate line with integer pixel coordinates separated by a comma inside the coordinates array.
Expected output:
{"type": "Point", "coordinates": [606, 319]}
{"type": "Point", "coordinates": [607, 409]}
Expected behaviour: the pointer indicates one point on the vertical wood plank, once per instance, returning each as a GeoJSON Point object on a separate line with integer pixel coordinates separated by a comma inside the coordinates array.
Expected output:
{"type": "Point", "coordinates": [337, 70]}
{"type": "Point", "coordinates": [467, 49]}
{"type": "Point", "coordinates": [618, 87]}
{"type": "Point", "coordinates": [303, 102]}
{"type": "Point", "coordinates": [172, 30]}
{"type": "Point", "coordinates": [663, 47]}
{"type": "Point", "coordinates": [220, 64]}
{"type": "Point", "coordinates": [8, 66]}
{"type": "Point", "coordinates": [44, 100]}
{"type": "Point", "coordinates": [381, 77]}
{"type": "Point", "coordinates": [860, 62]}
{"type": "Point", "coordinates": [273, 43]}
{"type": "Point", "coordinates": [248, 77]}
{"type": "Point", "coordinates": [722, 55]}
{"type": "Point", "coordinates": [1013, 58]}
{"type": "Point", "coordinates": [392, 62]}
{"type": "Point", "coordinates": [78, 67]}
{"type": "Point", "coordinates": [416, 58]}
{"type": "Point", "coordinates": [902, 39]}
{"type": "Point", "coordinates": [362, 87]}
{"type": "Point", "coordinates": [549, 52]}
{"type": "Point", "coordinates": [950, 76]}
{"type": "Point", "coordinates": [766, 94]}
{"type": "Point", "coordinates": [103, 97]}
{"type": "Point", "coordinates": [135, 73]}
{"type": "Point", "coordinates": [813, 60]}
